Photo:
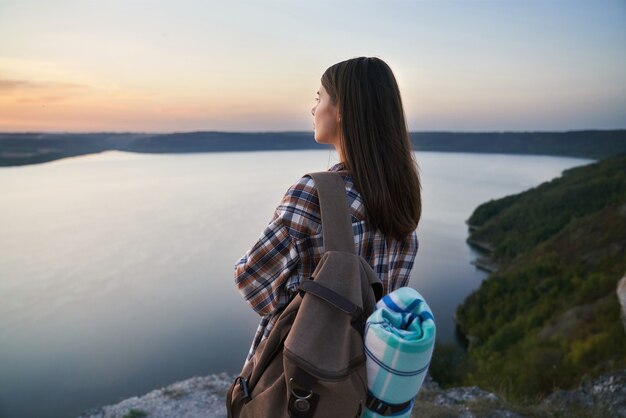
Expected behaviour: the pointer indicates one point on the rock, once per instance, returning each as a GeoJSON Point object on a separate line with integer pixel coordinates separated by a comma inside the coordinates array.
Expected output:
{"type": "Point", "coordinates": [457, 396]}
{"type": "Point", "coordinates": [205, 397]}
{"type": "Point", "coordinates": [486, 264]}
{"type": "Point", "coordinates": [467, 402]}
{"type": "Point", "coordinates": [607, 391]}
{"type": "Point", "coordinates": [621, 295]}
{"type": "Point", "coordinates": [198, 397]}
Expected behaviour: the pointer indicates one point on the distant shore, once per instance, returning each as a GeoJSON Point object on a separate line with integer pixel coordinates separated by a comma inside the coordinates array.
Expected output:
{"type": "Point", "coordinates": [34, 148]}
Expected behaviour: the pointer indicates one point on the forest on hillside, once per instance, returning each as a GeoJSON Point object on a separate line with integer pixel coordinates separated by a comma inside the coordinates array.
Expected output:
{"type": "Point", "coordinates": [549, 316]}
{"type": "Point", "coordinates": [33, 148]}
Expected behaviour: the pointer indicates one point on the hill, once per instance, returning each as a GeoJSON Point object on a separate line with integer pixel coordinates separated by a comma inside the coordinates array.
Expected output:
{"type": "Point", "coordinates": [32, 148]}
{"type": "Point", "coordinates": [549, 315]}
{"type": "Point", "coordinates": [593, 144]}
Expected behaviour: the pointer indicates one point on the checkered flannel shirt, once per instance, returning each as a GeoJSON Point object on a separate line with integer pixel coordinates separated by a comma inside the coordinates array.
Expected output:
{"type": "Point", "coordinates": [288, 250]}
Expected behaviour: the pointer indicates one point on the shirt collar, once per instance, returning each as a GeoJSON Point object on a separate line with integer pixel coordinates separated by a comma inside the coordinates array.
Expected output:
{"type": "Point", "coordinates": [337, 167]}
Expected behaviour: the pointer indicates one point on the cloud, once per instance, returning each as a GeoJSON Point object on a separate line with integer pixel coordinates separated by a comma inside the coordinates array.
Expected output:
{"type": "Point", "coordinates": [41, 100]}
{"type": "Point", "coordinates": [11, 85]}
{"type": "Point", "coordinates": [22, 92]}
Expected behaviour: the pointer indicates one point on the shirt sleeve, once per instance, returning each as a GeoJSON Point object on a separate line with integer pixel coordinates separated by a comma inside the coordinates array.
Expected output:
{"type": "Point", "coordinates": [267, 274]}
{"type": "Point", "coordinates": [402, 262]}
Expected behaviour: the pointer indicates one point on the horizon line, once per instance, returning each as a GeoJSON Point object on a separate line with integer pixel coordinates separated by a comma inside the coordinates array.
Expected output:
{"type": "Point", "coordinates": [292, 131]}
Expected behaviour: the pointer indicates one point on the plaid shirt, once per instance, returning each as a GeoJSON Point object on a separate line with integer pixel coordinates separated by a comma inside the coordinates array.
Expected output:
{"type": "Point", "coordinates": [290, 247]}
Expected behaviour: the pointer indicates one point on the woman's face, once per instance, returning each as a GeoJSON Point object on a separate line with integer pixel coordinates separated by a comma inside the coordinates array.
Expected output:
{"type": "Point", "coordinates": [326, 119]}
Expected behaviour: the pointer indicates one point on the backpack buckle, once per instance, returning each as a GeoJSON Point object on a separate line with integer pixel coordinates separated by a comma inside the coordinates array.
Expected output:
{"type": "Point", "coordinates": [377, 406]}
{"type": "Point", "coordinates": [301, 404]}
{"type": "Point", "coordinates": [243, 385]}
{"type": "Point", "coordinates": [385, 409]}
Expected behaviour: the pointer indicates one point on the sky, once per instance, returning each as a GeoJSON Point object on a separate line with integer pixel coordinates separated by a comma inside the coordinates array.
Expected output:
{"type": "Point", "coordinates": [190, 65]}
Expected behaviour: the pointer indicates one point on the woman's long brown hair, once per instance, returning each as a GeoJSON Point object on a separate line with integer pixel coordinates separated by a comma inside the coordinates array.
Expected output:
{"type": "Point", "coordinates": [375, 143]}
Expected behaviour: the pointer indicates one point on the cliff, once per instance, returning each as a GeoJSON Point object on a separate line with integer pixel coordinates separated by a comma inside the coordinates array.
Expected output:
{"type": "Point", "coordinates": [549, 315]}
{"type": "Point", "coordinates": [204, 397]}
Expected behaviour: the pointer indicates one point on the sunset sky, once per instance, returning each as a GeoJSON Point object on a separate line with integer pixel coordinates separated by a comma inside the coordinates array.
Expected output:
{"type": "Point", "coordinates": [185, 65]}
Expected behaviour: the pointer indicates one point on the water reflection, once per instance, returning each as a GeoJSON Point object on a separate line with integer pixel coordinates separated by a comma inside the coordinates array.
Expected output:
{"type": "Point", "coordinates": [116, 268]}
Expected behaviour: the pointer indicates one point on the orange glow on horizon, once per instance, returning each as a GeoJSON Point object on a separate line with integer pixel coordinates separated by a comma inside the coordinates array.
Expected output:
{"type": "Point", "coordinates": [54, 106]}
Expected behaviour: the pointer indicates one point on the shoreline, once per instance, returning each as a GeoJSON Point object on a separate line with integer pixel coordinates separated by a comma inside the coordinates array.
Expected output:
{"type": "Point", "coordinates": [484, 261]}
{"type": "Point", "coordinates": [27, 148]}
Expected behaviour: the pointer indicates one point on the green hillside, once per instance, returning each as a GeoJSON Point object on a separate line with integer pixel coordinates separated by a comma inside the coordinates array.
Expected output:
{"type": "Point", "coordinates": [549, 316]}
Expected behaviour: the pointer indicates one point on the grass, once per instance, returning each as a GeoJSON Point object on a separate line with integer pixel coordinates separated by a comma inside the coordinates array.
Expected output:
{"type": "Point", "coordinates": [173, 393]}
{"type": "Point", "coordinates": [136, 413]}
{"type": "Point", "coordinates": [427, 405]}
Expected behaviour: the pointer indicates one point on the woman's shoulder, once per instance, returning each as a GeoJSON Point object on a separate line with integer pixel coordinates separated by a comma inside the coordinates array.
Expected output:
{"type": "Point", "coordinates": [304, 190]}
{"type": "Point", "coordinates": [301, 193]}
{"type": "Point", "coordinates": [302, 197]}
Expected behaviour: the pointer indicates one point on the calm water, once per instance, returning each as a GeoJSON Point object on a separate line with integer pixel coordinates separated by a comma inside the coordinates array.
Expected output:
{"type": "Point", "coordinates": [116, 269]}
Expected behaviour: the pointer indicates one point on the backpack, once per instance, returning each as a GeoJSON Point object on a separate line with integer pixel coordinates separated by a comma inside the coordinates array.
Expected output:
{"type": "Point", "coordinates": [312, 363]}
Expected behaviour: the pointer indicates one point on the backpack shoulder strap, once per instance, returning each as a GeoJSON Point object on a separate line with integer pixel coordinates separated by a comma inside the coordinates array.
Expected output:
{"type": "Point", "coordinates": [337, 232]}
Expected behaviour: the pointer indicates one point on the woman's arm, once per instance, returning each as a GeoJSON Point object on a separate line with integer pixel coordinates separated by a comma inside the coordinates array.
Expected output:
{"type": "Point", "coordinates": [263, 274]}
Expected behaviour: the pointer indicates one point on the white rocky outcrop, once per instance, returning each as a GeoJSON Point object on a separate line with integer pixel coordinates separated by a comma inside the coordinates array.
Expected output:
{"type": "Point", "coordinates": [198, 397]}
{"type": "Point", "coordinates": [205, 397]}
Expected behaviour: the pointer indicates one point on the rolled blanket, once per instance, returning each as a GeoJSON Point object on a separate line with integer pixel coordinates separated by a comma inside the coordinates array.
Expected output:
{"type": "Point", "coordinates": [399, 340]}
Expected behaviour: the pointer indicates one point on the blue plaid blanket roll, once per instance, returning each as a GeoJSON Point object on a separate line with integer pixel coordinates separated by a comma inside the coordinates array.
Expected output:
{"type": "Point", "coordinates": [398, 341]}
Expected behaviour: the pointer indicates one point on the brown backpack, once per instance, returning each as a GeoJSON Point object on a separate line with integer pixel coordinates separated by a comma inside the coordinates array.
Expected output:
{"type": "Point", "coordinates": [312, 364]}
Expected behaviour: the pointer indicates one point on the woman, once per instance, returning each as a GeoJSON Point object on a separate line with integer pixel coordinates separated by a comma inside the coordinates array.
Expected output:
{"type": "Point", "coordinates": [359, 112]}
